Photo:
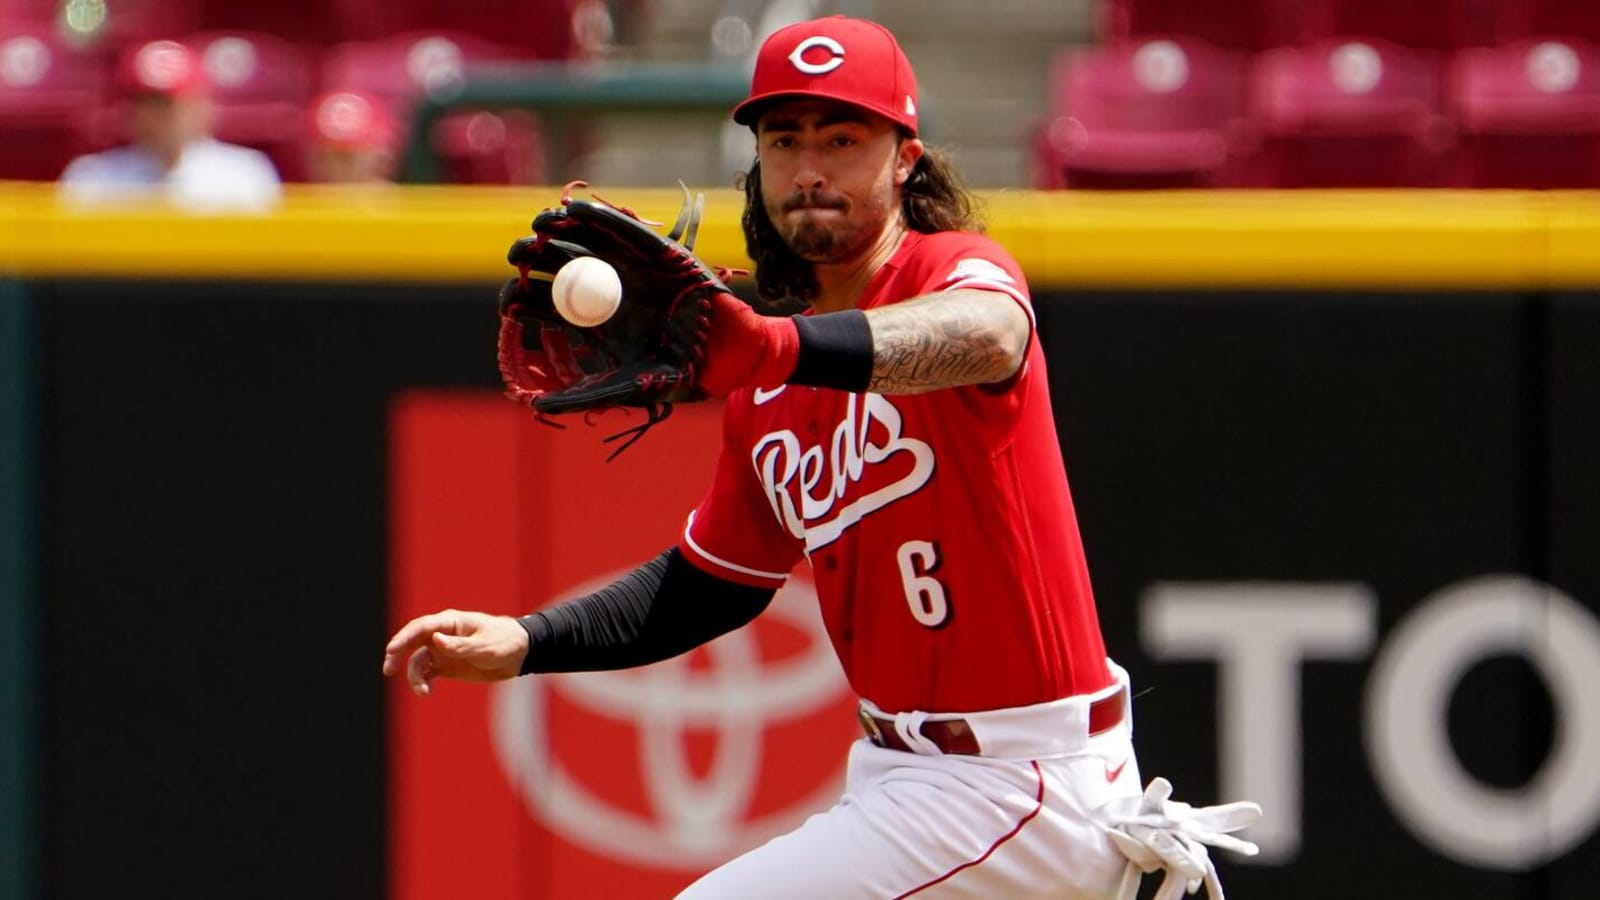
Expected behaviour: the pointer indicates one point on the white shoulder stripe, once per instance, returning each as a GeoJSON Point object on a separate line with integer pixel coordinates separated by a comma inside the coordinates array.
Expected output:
{"type": "Point", "coordinates": [688, 538]}
{"type": "Point", "coordinates": [984, 285]}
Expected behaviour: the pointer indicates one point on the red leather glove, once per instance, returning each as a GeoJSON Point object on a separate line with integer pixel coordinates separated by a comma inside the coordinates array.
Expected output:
{"type": "Point", "coordinates": [747, 349]}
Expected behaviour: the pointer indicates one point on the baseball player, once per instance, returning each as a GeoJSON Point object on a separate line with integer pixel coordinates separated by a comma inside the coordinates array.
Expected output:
{"type": "Point", "coordinates": [897, 434]}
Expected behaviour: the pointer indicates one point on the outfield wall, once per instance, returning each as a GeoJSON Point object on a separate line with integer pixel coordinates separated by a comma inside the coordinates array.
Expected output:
{"type": "Point", "coordinates": [1333, 454]}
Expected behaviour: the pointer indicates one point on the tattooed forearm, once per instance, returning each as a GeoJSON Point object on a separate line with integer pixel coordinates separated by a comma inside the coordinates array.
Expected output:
{"type": "Point", "coordinates": [945, 340]}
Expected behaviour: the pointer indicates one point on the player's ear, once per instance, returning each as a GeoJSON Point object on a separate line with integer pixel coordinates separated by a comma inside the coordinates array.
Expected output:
{"type": "Point", "coordinates": [910, 151]}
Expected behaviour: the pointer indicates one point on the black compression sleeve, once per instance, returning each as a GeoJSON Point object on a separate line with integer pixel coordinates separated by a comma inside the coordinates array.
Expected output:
{"type": "Point", "coordinates": [659, 610]}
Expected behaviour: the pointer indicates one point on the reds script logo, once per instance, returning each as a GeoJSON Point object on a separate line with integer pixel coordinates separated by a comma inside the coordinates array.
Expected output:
{"type": "Point", "coordinates": [684, 820]}
{"type": "Point", "coordinates": [867, 442]}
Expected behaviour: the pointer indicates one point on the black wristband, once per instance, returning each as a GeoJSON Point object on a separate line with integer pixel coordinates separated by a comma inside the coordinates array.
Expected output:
{"type": "Point", "coordinates": [835, 351]}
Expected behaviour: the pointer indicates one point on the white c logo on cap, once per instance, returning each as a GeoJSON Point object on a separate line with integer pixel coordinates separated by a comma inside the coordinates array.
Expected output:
{"type": "Point", "coordinates": [835, 60]}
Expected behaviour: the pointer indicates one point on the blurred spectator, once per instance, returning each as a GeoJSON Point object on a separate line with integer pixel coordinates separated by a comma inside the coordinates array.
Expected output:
{"type": "Point", "coordinates": [261, 87]}
{"type": "Point", "coordinates": [165, 101]}
{"type": "Point", "coordinates": [353, 139]}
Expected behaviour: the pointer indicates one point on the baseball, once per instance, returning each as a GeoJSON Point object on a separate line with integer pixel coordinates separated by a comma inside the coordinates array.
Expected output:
{"type": "Point", "coordinates": [586, 291]}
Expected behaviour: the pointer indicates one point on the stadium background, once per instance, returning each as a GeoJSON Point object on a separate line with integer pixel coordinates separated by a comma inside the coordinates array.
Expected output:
{"type": "Point", "coordinates": [1333, 452]}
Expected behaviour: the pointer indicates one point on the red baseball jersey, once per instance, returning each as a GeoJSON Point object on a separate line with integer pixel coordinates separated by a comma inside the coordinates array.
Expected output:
{"type": "Point", "coordinates": [939, 526]}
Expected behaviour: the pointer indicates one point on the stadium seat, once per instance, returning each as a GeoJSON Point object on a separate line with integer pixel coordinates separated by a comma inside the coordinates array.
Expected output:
{"type": "Point", "coordinates": [402, 66]}
{"type": "Point", "coordinates": [1528, 114]}
{"type": "Point", "coordinates": [298, 21]}
{"type": "Point", "coordinates": [1238, 24]}
{"type": "Point", "coordinates": [1162, 112]}
{"type": "Point", "coordinates": [491, 147]}
{"type": "Point", "coordinates": [1418, 24]}
{"type": "Point", "coordinates": [50, 97]}
{"type": "Point", "coordinates": [543, 29]}
{"type": "Point", "coordinates": [1348, 113]}
{"type": "Point", "coordinates": [102, 26]}
{"type": "Point", "coordinates": [478, 146]}
{"type": "Point", "coordinates": [1524, 19]}
{"type": "Point", "coordinates": [261, 85]}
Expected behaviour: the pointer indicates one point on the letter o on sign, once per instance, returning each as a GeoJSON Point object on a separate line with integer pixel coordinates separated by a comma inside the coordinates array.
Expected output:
{"type": "Point", "coordinates": [1407, 729]}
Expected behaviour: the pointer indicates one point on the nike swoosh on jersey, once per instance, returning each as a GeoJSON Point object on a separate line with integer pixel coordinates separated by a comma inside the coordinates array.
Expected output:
{"type": "Point", "coordinates": [1113, 774]}
{"type": "Point", "coordinates": [762, 395]}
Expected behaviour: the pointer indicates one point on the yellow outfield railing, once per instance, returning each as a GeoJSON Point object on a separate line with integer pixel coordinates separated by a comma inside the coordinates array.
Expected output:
{"type": "Point", "coordinates": [1193, 240]}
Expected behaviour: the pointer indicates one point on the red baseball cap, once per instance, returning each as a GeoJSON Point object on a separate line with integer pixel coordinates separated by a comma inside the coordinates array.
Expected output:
{"type": "Point", "coordinates": [839, 58]}
{"type": "Point", "coordinates": [165, 68]}
{"type": "Point", "coordinates": [352, 119]}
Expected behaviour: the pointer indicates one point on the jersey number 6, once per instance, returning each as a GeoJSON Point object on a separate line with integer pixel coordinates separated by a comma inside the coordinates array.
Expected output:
{"type": "Point", "coordinates": [924, 594]}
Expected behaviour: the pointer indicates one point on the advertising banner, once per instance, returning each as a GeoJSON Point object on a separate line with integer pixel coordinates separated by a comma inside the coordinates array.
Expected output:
{"type": "Point", "coordinates": [610, 784]}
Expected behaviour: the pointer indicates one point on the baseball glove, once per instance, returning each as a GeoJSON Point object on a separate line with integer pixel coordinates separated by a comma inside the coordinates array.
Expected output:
{"type": "Point", "coordinates": [648, 354]}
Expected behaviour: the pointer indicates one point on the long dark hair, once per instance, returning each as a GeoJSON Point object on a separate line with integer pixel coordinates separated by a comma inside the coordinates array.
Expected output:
{"type": "Point", "coordinates": [932, 199]}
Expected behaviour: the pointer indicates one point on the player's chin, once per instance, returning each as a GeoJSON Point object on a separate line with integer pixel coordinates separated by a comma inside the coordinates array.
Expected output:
{"type": "Point", "coordinates": [816, 243]}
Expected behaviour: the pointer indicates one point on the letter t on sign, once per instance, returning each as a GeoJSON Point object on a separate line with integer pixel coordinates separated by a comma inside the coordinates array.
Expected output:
{"type": "Point", "coordinates": [1258, 633]}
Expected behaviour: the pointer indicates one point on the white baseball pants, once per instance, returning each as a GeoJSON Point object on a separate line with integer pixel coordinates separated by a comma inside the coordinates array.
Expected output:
{"type": "Point", "coordinates": [926, 825]}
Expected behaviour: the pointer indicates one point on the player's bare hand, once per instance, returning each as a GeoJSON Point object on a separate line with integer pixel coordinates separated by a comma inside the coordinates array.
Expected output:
{"type": "Point", "coordinates": [466, 646]}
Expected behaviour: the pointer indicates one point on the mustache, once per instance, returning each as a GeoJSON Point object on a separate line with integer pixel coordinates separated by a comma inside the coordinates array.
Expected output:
{"type": "Point", "coordinates": [813, 200]}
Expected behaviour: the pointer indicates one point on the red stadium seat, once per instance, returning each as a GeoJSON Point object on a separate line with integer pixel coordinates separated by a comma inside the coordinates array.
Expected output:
{"type": "Point", "coordinates": [1238, 24]}
{"type": "Point", "coordinates": [543, 29]}
{"type": "Point", "coordinates": [298, 21]}
{"type": "Point", "coordinates": [103, 26]}
{"type": "Point", "coordinates": [261, 85]}
{"type": "Point", "coordinates": [1155, 113]}
{"type": "Point", "coordinates": [1418, 24]}
{"type": "Point", "coordinates": [1348, 113]}
{"type": "Point", "coordinates": [475, 146]}
{"type": "Point", "coordinates": [1534, 18]}
{"type": "Point", "coordinates": [50, 97]}
{"type": "Point", "coordinates": [401, 67]}
{"type": "Point", "coordinates": [1529, 114]}
{"type": "Point", "coordinates": [490, 147]}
